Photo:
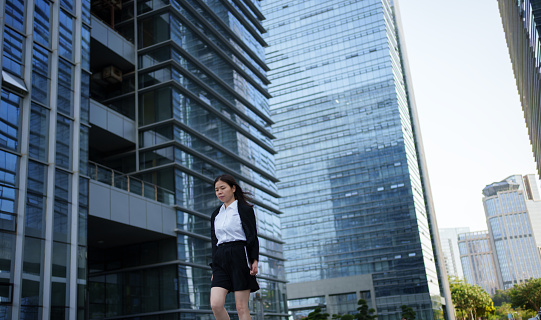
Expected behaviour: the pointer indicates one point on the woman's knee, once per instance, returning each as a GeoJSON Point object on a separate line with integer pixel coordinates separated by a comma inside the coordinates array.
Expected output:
{"type": "Point", "coordinates": [243, 309]}
{"type": "Point", "coordinates": [216, 305]}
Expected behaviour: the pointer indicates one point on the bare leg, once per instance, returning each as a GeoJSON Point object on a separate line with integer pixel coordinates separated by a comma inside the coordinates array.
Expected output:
{"type": "Point", "coordinates": [241, 300]}
{"type": "Point", "coordinates": [217, 302]}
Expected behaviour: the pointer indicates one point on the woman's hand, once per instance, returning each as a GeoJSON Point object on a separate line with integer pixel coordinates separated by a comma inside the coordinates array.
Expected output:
{"type": "Point", "coordinates": [211, 277]}
{"type": "Point", "coordinates": [253, 270]}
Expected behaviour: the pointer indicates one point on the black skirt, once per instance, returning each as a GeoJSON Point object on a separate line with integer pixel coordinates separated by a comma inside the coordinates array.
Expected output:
{"type": "Point", "coordinates": [231, 268]}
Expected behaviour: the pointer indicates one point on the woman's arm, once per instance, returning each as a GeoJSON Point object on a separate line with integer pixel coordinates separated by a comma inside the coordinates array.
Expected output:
{"type": "Point", "coordinates": [247, 217]}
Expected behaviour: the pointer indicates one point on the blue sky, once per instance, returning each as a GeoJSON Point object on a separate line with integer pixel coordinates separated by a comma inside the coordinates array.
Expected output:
{"type": "Point", "coordinates": [471, 119]}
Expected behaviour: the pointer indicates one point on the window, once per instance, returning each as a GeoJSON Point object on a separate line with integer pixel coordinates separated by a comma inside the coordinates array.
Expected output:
{"type": "Point", "coordinates": [65, 84]}
{"type": "Point", "coordinates": [67, 4]}
{"type": "Point", "coordinates": [32, 271]}
{"type": "Point", "coordinates": [85, 48]}
{"type": "Point", "coordinates": [62, 209]}
{"type": "Point", "coordinates": [41, 22]}
{"type": "Point", "coordinates": [83, 151]}
{"type": "Point", "coordinates": [66, 36]}
{"type": "Point", "coordinates": [8, 193]}
{"type": "Point", "coordinates": [15, 14]}
{"type": "Point", "coordinates": [12, 60]}
{"type": "Point", "coordinates": [63, 142]}
{"type": "Point", "coordinates": [85, 97]}
{"type": "Point", "coordinates": [39, 127]}
{"type": "Point", "coordinates": [10, 105]}
{"type": "Point", "coordinates": [40, 75]}
{"type": "Point", "coordinates": [35, 199]}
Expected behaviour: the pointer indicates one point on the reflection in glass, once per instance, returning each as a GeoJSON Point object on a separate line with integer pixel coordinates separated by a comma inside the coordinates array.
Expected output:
{"type": "Point", "coordinates": [40, 75]}
{"type": "Point", "coordinates": [65, 84]}
{"type": "Point", "coordinates": [39, 131]}
{"type": "Point", "coordinates": [42, 24]}
{"type": "Point", "coordinates": [15, 14]}
{"type": "Point", "coordinates": [66, 36]}
{"type": "Point", "coordinates": [63, 142]}
{"type": "Point", "coordinates": [9, 120]}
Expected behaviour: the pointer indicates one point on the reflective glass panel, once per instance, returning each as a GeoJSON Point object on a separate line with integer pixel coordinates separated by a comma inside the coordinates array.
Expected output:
{"type": "Point", "coordinates": [39, 130]}
{"type": "Point", "coordinates": [9, 120]}
{"type": "Point", "coordinates": [35, 215]}
{"type": "Point", "coordinates": [14, 14]}
{"type": "Point", "coordinates": [7, 254]}
{"type": "Point", "coordinates": [85, 49]}
{"type": "Point", "coordinates": [85, 97]}
{"type": "Point", "coordinates": [65, 87]}
{"type": "Point", "coordinates": [12, 54]}
{"type": "Point", "coordinates": [42, 23]}
{"type": "Point", "coordinates": [40, 75]}
{"type": "Point", "coordinates": [61, 221]}
{"type": "Point", "coordinates": [65, 48]}
{"type": "Point", "coordinates": [63, 142]}
{"type": "Point", "coordinates": [67, 4]}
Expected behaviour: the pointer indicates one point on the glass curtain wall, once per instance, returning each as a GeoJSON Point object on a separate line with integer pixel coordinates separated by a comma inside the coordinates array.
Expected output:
{"type": "Point", "coordinates": [202, 111]}
{"type": "Point", "coordinates": [43, 158]}
{"type": "Point", "coordinates": [512, 235]}
{"type": "Point", "coordinates": [349, 169]}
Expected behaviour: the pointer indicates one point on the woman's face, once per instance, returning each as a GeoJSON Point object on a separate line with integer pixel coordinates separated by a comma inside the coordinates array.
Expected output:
{"type": "Point", "coordinates": [224, 192]}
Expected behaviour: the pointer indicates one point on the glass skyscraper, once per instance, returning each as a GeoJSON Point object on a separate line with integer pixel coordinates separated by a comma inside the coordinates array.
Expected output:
{"type": "Point", "coordinates": [507, 207]}
{"type": "Point", "coordinates": [478, 261]}
{"type": "Point", "coordinates": [44, 116]}
{"type": "Point", "coordinates": [451, 253]}
{"type": "Point", "coordinates": [521, 20]}
{"type": "Point", "coordinates": [116, 116]}
{"type": "Point", "coordinates": [357, 215]}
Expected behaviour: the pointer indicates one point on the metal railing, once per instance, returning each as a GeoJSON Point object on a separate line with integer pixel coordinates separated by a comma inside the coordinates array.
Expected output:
{"type": "Point", "coordinates": [133, 185]}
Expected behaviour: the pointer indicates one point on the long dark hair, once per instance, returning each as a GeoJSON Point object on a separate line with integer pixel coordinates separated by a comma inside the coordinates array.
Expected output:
{"type": "Point", "coordinates": [240, 195]}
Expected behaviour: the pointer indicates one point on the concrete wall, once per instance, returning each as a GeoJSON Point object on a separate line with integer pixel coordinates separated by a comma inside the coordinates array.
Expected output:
{"type": "Point", "coordinates": [112, 121]}
{"type": "Point", "coordinates": [124, 207]}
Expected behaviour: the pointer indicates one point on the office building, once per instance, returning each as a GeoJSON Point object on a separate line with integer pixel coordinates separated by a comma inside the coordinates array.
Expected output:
{"type": "Point", "coordinates": [358, 220]}
{"type": "Point", "coordinates": [507, 205]}
{"type": "Point", "coordinates": [478, 262]}
{"type": "Point", "coordinates": [116, 118]}
{"type": "Point", "coordinates": [521, 21]}
{"type": "Point", "coordinates": [451, 253]}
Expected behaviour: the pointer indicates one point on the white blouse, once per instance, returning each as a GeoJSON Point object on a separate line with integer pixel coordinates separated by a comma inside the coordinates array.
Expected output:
{"type": "Point", "coordinates": [227, 224]}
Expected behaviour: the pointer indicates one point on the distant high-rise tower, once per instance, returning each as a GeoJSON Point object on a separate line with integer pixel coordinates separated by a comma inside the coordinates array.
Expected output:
{"type": "Point", "coordinates": [451, 253]}
{"type": "Point", "coordinates": [507, 204]}
{"type": "Point", "coordinates": [521, 21]}
{"type": "Point", "coordinates": [358, 217]}
{"type": "Point", "coordinates": [478, 262]}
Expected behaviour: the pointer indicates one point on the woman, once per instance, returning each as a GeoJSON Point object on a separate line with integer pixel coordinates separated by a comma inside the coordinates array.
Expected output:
{"type": "Point", "coordinates": [235, 249]}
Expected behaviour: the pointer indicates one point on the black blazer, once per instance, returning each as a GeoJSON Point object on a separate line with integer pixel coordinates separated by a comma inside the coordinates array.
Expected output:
{"type": "Point", "coordinates": [247, 218]}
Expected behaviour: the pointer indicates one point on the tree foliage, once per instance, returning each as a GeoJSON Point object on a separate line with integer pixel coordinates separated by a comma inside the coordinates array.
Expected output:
{"type": "Point", "coordinates": [501, 297]}
{"type": "Point", "coordinates": [526, 295]}
{"type": "Point", "coordinates": [365, 313]}
{"type": "Point", "coordinates": [470, 301]}
{"type": "Point", "coordinates": [317, 315]}
{"type": "Point", "coordinates": [407, 312]}
{"type": "Point", "coordinates": [506, 309]}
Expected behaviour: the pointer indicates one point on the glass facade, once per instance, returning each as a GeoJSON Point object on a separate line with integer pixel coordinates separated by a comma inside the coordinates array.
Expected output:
{"type": "Point", "coordinates": [508, 219]}
{"type": "Point", "coordinates": [351, 178]}
{"type": "Point", "coordinates": [521, 20]}
{"type": "Point", "coordinates": [44, 199]}
{"type": "Point", "coordinates": [202, 110]}
{"type": "Point", "coordinates": [451, 253]}
{"type": "Point", "coordinates": [188, 80]}
{"type": "Point", "coordinates": [477, 258]}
